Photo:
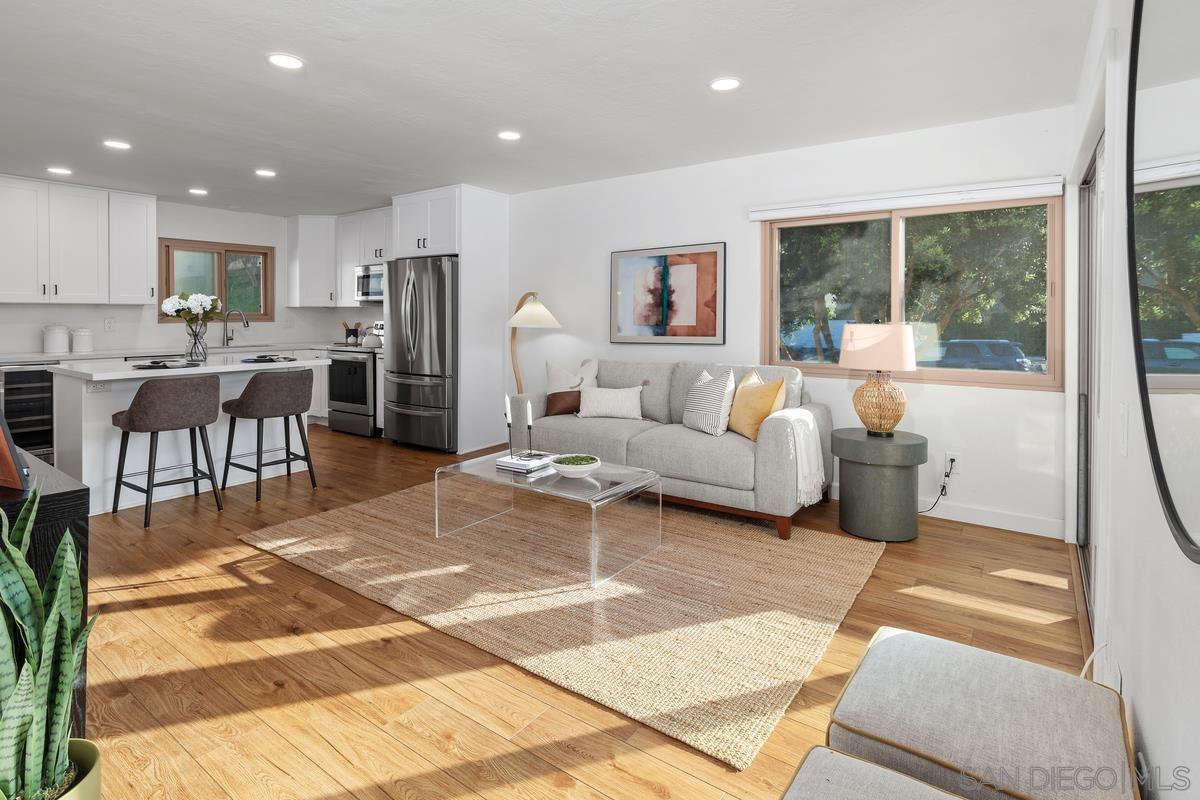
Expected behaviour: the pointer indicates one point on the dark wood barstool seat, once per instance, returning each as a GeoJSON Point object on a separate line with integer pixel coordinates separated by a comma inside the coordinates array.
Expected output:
{"type": "Point", "coordinates": [269, 395]}
{"type": "Point", "coordinates": [162, 405]}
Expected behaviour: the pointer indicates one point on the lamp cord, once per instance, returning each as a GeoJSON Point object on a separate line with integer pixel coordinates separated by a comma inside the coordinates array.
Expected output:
{"type": "Point", "coordinates": [945, 486]}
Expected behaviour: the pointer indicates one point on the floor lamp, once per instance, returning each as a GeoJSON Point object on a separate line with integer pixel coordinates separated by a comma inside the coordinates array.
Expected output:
{"type": "Point", "coordinates": [530, 313]}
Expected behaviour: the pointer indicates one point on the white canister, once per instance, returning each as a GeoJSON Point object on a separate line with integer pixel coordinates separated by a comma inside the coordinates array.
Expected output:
{"type": "Point", "coordinates": [54, 339]}
{"type": "Point", "coordinates": [81, 340]}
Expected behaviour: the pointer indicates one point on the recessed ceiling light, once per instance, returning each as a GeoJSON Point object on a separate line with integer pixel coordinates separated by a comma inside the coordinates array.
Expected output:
{"type": "Point", "coordinates": [725, 84]}
{"type": "Point", "coordinates": [509, 136]}
{"type": "Point", "coordinates": [265, 173]}
{"type": "Point", "coordinates": [198, 190]}
{"type": "Point", "coordinates": [285, 60]}
{"type": "Point", "coordinates": [58, 170]}
{"type": "Point", "coordinates": [117, 144]}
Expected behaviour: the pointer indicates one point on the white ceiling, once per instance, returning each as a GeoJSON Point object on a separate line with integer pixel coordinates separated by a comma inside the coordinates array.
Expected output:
{"type": "Point", "coordinates": [400, 95]}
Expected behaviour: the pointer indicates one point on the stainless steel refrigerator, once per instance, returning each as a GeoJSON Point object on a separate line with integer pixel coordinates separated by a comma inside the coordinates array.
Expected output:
{"type": "Point", "coordinates": [421, 355]}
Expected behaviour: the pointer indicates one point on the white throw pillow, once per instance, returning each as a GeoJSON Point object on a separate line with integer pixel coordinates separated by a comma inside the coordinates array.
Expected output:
{"type": "Point", "coordinates": [567, 379]}
{"type": "Point", "coordinates": [708, 403]}
{"type": "Point", "coordinates": [617, 403]}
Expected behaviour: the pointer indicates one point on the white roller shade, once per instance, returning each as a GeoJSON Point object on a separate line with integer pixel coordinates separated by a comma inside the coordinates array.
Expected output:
{"type": "Point", "coordinates": [948, 195]}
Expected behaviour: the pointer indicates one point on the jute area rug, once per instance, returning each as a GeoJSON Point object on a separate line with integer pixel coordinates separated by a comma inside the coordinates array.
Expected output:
{"type": "Point", "coordinates": [707, 640]}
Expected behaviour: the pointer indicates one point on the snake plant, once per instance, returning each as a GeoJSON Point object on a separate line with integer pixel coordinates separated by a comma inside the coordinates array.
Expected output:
{"type": "Point", "coordinates": [42, 644]}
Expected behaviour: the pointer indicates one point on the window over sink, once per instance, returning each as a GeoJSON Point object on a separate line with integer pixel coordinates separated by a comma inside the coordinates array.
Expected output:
{"type": "Point", "coordinates": [242, 276]}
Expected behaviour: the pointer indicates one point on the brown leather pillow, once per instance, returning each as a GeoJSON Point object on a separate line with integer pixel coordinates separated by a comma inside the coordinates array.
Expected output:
{"type": "Point", "coordinates": [562, 403]}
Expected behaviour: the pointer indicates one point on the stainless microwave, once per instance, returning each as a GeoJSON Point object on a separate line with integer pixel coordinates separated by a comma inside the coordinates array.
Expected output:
{"type": "Point", "coordinates": [368, 283]}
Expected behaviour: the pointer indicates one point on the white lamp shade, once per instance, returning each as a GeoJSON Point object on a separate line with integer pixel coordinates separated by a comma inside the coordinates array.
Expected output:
{"type": "Point", "coordinates": [887, 348]}
{"type": "Point", "coordinates": [533, 315]}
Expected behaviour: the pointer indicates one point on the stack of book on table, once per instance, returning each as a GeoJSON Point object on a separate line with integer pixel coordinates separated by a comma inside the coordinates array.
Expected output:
{"type": "Point", "coordinates": [525, 462]}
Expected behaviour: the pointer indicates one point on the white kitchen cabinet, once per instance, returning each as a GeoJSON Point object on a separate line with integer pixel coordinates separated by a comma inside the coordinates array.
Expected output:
{"type": "Point", "coordinates": [426, 223]}
{"type": "Point", "coordinates": [376, 230]}
{"type": "Point", "coordinates": [24, 241]}
{"type": "Point", "coordinates": [379, 391]}
{"type": "Point", "coordinates": [320, 394]}
{"type": "Point", "coordinates": [311, 261]}
{"type": "Point", "coordinates": [78, 244]}
{"type": "Point", "coordinates": [349, 253]}
{"type": "Point", "coordinates": [132, 248]}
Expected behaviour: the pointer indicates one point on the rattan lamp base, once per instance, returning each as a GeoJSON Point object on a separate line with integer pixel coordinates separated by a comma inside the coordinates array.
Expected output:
{"type": "Point", "coordinates": [880, 403]}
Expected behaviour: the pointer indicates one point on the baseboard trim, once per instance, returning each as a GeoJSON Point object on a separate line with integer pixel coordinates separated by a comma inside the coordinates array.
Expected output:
{"type": "Point", "coordinates": [991, 517]}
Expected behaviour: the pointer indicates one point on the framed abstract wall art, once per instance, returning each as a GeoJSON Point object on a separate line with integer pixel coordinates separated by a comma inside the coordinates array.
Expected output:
{"type": "Point", "coordinates": [668, 295]}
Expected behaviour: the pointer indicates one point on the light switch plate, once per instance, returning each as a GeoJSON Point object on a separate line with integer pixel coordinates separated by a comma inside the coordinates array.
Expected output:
{"type": "Point", "coordinates": [97, 386]}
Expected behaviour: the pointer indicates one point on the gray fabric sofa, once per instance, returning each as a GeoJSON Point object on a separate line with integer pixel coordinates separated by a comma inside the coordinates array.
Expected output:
{"type": "Point", "coordinates": [728, 472]}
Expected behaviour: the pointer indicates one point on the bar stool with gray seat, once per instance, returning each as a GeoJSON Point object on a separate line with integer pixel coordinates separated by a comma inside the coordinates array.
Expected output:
{"type": "Point", "coordinates": [162, 405]}
{"type": "Point", "coordinates": [266, 396]}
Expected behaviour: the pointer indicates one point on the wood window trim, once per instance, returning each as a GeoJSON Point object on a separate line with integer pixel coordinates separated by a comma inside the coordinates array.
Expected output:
{"type": "Point", "coordinates": [166, 289]}
{"type": "Point", "coordinates": [1050, 381]}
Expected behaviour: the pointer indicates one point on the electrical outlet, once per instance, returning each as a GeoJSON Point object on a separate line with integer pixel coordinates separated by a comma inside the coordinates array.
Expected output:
{"type": "Point", "coordinates": [95, 387]}
{"type": "Point", "coordinates": [958, 463]}
{"type": "Point", "coordinates": [110, 325]}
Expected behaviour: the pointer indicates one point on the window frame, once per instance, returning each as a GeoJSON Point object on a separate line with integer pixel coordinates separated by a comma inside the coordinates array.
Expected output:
{"type": "Point", "coordinates": [1051, 380]}
{"type": "Point", "coordinates": [166, 286]}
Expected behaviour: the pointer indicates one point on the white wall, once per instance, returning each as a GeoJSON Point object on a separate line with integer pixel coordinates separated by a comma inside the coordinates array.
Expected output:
{"type": "Point", "coordinates": [1147, 592]}
{"type": "Point", "coordinates": [137, 326]}
{"type": "Point", "coordinates": [561, 238]}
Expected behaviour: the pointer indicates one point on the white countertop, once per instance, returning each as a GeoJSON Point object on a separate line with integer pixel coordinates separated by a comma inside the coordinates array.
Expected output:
{"type": "Point", "coordinates": [155, 352]}
{"type": "Point", "coordinates": [119, 370]}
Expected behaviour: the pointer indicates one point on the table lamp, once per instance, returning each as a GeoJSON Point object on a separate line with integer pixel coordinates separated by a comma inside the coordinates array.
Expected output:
{"type": "Point", "coordinates": [530, 313]}
{"type": "Point", "coordinates": [882, 349]}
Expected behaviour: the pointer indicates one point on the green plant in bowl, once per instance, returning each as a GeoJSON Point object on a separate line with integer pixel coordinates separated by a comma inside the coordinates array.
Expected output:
{"type": "Point", "coordinates": [576, 461]}
{"type": "Point", "coordinates": [575, 465]}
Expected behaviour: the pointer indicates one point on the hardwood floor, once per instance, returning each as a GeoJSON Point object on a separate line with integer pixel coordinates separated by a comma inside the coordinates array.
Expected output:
{"type": "Point", "coordinates": [217, 670]}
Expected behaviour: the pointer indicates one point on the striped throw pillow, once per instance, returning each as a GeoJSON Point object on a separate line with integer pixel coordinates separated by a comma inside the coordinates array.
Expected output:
{"type": "Point", "coordinates": [708, 402]}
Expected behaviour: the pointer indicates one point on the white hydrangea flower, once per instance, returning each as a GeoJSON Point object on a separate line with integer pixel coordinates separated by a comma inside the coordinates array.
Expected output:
{"type": "Point", "coordinates": [172, 305]}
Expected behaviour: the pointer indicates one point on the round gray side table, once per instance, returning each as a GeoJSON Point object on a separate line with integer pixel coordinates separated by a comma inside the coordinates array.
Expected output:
{"type": "Point", "coordinates": [877, 486]}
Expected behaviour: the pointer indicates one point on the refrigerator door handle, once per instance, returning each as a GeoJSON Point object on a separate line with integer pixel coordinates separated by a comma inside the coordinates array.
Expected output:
{"type": "Point", "coordinates": [411, 316]}
{"type": "Point", "coordinates": [404, 308]}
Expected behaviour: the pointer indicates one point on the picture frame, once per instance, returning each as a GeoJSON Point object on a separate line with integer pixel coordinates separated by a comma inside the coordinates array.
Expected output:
{"type": "Point", "coordinates": [667, 295]}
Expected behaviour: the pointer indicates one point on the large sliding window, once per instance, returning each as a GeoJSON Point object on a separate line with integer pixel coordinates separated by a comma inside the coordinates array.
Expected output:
{"type": "Point", "coordinates": [978, 282]}
{"type": "Point", "coordinates": [243, 276]}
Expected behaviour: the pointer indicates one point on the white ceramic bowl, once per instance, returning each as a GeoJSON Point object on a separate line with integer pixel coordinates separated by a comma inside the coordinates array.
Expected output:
{"type": "Point", "coordinates": [575, 470]}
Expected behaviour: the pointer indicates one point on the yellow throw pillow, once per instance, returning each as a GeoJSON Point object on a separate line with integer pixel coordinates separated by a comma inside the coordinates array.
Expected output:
{"type": "Point", "coordinates": [753, 402]}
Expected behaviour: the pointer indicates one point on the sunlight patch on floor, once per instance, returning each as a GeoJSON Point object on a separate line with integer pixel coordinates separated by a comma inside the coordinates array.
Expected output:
{"type": "Point", "coordinates": [985, 605]}
{"type": "Point", "coordinates": [1028, 576]}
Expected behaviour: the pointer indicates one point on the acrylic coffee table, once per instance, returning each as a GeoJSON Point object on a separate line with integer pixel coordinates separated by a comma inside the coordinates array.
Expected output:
{"type": "Point", "coordinates": [619, 519]}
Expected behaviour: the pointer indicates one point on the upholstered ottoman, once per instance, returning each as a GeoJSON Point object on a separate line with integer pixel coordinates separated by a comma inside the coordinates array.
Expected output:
{"type": "Point", "coordinates": [980, 724]}
{"type": "Point", "coordinates": [829, 775]}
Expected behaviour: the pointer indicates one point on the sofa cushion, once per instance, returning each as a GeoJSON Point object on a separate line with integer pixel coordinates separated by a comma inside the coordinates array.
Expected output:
{"type": "Point", "coordinates": [564, 379]}
{"type": "Point", "coordinates": [829, 775]}
{"type": "Point", "coordinates": [674, 451]}
{"type": "Point", "coordinates": [603, 437]}
{"type": "Point", "coordinates": [654, 376]}
{"type": "Point", "coordinates": [981, 724]}
{"type": "Point", "coordinates": [686, 372]}
{"type": "Point", "coordinates": [613, 403]}
{"type": "Point", "coordinates": [708, 403]}
{"type": "Point", "coordinates": [753, 402]}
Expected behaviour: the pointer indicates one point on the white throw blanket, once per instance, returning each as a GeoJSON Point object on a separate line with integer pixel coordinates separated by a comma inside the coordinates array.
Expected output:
{"type": "Point", "coordinates": [810, 462]}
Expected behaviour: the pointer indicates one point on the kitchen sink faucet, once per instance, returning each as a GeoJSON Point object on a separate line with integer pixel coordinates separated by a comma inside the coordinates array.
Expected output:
{"type": "Point", "coordinates": [228, 338]}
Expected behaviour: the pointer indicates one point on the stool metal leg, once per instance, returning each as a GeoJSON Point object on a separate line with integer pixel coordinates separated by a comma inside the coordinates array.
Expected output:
{"type": "Point", "coordinates": [212, 473]}
{"type": "Point", "coordinates": [287, 444]}
{"type": "Point", "coordinates": [195, 465]}
{"type": "Point", "coordinates": [120, 470]}
{"type": "Point", "coordinates": [312, 475]}
{"type": "Point", "coordinates": [228, 453]}
{"type": "Point", "coordinates": [150, 477]}
{"type": "Point", "coordinates": [258, 465]}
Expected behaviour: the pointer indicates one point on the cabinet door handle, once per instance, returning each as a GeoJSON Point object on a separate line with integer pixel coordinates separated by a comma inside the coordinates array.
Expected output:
{"type": "Point", "coordinates": [418, 244]}
{"type": "Point", "coordinates": [424, 243]}
{"type": "Point", "coordinates": [56, 288]}
{"type": "Point", "coordinates": [152, 291]}
{"type": "Point", "coordinates": [331, 296]}
{"type": "Point", "coordinates": [43, 288]}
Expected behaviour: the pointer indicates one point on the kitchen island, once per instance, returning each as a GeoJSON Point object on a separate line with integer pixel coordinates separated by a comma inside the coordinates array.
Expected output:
{"type": "Point", "coordinates": [86, 444]}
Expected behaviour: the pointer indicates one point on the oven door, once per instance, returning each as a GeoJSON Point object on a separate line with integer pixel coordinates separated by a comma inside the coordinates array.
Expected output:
{"type": "Point", "coordinates": [368, 284]}
{"type": "Point", "coordinates": [352, 382]}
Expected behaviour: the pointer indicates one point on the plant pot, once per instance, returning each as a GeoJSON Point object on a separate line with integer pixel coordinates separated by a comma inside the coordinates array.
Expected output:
{"type": "Point", "coordinates": [86, 758]}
